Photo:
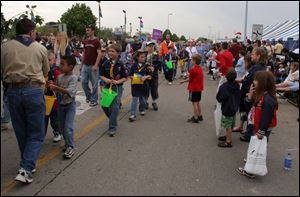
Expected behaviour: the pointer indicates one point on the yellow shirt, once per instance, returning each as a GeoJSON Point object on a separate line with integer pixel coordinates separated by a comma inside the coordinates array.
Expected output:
{"type": "Point", "coordinates": [278, 48]}
{"type": "Point", "coordinates": [20, 63]}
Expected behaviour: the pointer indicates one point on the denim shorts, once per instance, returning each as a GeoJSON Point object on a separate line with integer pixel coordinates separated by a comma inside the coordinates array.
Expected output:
{"type": "Point", "coordinates": [294, 86]}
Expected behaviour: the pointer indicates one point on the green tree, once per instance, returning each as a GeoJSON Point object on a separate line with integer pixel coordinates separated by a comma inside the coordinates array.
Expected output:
{"type": "Point", "coordinates": [77, 18]}
{"type": "Point", "coordinates": [182, 38]}
{"type": "Point", "coordinates": [42, 29]}
{"type": "Point", "coordinates": [167, 31]}
{"type": "Point", "coordinates": [174, 38]}
{"type": "Point", "coordinates": [38, 20]}
{"type": "Point", "coordinates": [105, 33]}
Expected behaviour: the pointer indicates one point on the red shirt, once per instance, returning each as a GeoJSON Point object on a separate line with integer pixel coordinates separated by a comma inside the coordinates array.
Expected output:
{"type": "Point", "coordinates": [196, 79]}
{"type": "Point", "coordinates": [235, 49]}
{"type": "Point", "coordinates": [226, 62]}
{"type": "Point", "coordinates": [90, 51]}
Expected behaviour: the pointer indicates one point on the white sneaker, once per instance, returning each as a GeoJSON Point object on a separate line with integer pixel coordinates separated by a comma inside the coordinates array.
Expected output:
{"type": "Point", "coordinates": [24, 176]}
{"type": "Point", "coordinates": [170, 83]}
{"type": "Point", "coordinates": [132, 118]}
{"type": "Point", "coordinates": [57, 138]}
{"type": "Point", "coordinates": [143, 113]}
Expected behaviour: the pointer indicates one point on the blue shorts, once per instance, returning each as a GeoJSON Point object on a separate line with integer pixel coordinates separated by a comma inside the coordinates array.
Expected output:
{"type": "Point", "coordinates": [294, 86]}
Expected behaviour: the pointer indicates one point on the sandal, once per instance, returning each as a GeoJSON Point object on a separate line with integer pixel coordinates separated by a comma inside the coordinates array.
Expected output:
{"type": "Point", "coordinates": [225, 145]}
{"type": "Point", "coordinates": [238, 130]}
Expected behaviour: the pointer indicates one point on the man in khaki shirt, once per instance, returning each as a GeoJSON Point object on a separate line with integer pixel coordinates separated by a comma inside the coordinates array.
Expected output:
{"type": "Point", "coordinates": [24, 63]}
{"type": "Point", "coordinates": [278, 48]}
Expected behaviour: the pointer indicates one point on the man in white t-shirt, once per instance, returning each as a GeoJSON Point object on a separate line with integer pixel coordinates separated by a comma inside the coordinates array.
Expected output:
{"type": "Point", "coordinates": [191, 49]}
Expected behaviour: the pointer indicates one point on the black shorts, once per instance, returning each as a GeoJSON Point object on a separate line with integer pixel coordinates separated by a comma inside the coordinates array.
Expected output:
{"type": "Point", "coordinates": [195, 96]}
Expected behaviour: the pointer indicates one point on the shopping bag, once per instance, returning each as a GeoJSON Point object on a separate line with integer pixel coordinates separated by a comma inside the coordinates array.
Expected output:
{"type": "Point", "coordinates": [169, 64]}
{"type": "Point", "coordinates": [49, 102]}
{"type": "Point", "coordinates": [108, 96]}
{"type": "Point", "coordinates": [218, 117]}
{"type": "Point", "coordinates": [137, 79]}
{"type": "Point", "coordinates": [257, 157]}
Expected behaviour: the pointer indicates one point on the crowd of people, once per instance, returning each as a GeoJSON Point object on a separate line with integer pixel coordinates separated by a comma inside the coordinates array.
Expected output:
{"type": "Point", "coordinates": [30, 70]}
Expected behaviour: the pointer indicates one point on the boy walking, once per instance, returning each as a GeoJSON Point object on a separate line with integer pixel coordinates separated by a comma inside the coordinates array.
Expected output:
{"type": "Point", "coordinates": [65, 92]}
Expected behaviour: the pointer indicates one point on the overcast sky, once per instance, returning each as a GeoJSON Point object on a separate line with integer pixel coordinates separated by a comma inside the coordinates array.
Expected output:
{"type": "Point", "coordinates": [192, 19]}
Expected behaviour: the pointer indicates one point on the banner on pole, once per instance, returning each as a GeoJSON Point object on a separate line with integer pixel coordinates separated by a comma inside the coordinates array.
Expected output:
{"type": "Point", "coordinates": [157, 34]}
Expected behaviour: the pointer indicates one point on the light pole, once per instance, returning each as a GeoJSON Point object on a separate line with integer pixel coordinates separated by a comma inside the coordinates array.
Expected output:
{"type": "Point", "coordinates": [140, 25]}
{"type": "Point", "coordinates": [169, 20]}
{"type": "Point", "coordinates": [245, 28]}
{"type": "Point", "coordinates": [124, 20]}
{"type": "Point", "coordinates": [31, 11]}
{"type": "Point", "coordinates": [100, 15]}
{"type": "Point", "coordinates": [130, 28]}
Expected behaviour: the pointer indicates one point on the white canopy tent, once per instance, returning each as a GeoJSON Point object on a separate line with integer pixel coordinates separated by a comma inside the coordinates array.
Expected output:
{"type": "Point", "coordinates": [282, 31]}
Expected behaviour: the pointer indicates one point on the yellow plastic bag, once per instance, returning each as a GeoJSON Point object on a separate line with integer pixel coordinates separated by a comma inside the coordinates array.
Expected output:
{"type": "Point", "coordinates": [137, 79]}
{"type": "Point", "coordinates": [49, 101]}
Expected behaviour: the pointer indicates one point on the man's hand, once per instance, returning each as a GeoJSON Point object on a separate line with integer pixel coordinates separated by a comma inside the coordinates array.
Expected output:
{"type": "Point", "coordinates": [53, 87]}
{"type": "Point", "coordinates": [259, 136]}
{"type": "Point", "coordinates": [251, 91]}
{"type": "Point", "coordinates": [94, 68]}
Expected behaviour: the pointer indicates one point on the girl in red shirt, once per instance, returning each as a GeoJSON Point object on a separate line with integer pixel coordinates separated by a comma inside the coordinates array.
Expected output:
{"type": "Point", "coordinates": [195, 87]}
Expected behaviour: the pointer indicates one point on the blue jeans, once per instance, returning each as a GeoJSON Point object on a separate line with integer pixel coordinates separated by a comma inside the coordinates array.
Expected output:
{"type": "Point", "coordinates": [134, 104]}
{"type": "Point", "coordinates": [5, 116]}
{"type": "Point", "coordinates": [87, 75]}
{"type": "Point", "coordinates": [27, 109]}
{"type": "Point", "coordinates": [66, 117]}
{"type": "Point", "coordinates": [113, 111]}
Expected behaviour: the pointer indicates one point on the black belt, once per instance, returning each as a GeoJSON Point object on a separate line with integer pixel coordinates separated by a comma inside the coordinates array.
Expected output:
{"type": "Point", "coordinates": [25, 85]}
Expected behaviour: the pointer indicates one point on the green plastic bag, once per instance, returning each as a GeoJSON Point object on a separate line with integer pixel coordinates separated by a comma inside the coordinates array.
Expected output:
{"type": "Point", "coordinates": [169, 64]}
{"type": "Point", "coordinates": [108, 96]}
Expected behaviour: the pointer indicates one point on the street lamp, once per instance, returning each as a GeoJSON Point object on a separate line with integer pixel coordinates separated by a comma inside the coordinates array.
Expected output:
{"type": "Point", "coordinates": [130, 28]}
{"type": "Point", "coordinates": [124, 20]}
{"type": "Point", "coordinates": [140, 25]}
{"type": "Point", "coordinates": [31, 11]}
{"type": "Point", "coordinates": [169, 20]}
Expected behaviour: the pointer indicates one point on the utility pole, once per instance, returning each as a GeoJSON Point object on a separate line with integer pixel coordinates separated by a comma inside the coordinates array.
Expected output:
{"type": "Point", "coordinates": [246, 18]}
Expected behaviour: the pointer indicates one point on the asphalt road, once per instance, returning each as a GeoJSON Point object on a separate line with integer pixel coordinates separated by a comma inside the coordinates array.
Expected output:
{"type": "Point", "coordinates": [159, 154]}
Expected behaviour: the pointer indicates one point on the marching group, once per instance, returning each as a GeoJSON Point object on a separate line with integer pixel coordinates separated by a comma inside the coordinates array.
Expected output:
{"type": "Point", "coordinates": [29, 71]}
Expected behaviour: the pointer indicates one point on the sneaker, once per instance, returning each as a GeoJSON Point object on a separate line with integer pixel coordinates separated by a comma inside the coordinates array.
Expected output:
{"type": "Point", "coordinates": [112, 133]}
{"type": "Point", "coordinates": [193, 120]}
{"type": "Point", "coordinates": [132, 118]}
{"type": "Point", "coordinates": [93, 104]}
{"type": "Point", "coordinates": [155, 107]}
{"type": "Point", "coordinates": [170, 83]}
{"type": "Point", "coordinates": [244, 173]}
{"type": "Point", "coordinates": [69, 152]}
{"type": "Point", "coordinates": [87, 101]}
{"type": "Point", "coordinates": [24, 176]}
{"type": "Point", "coordinates": [57, 138]}
{"type": "Point", "coordinates": [143, 113]}
{"type": "Point", "coordinates": [33, 171]}
{"type": "Point", "coordinates": [200, 118]}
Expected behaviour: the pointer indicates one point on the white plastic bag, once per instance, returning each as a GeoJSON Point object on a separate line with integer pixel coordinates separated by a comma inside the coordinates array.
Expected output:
{"type": "Point", "coordinates": [218, 116]}
{"type": "Point", "coordinates": [257, 156]}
